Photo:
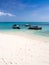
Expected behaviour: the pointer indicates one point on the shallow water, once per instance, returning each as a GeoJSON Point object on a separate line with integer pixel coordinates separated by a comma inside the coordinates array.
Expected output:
{"type": "Point", "coordinates": [7, 26]}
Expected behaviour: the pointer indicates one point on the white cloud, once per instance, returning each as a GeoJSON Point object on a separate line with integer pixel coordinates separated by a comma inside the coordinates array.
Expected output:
{"type": "Point", "coordinates": [5, 14]}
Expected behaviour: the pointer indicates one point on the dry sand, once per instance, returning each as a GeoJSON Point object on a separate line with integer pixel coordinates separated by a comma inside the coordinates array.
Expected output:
{"type": "Point", "coordinates": [23, 50]}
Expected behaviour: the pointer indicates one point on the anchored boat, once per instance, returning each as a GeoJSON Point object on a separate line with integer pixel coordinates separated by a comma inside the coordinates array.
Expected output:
{"type": "Point", "coordinates": [35, 28]}
{"type": "Point", "coordinates": [16, 26]}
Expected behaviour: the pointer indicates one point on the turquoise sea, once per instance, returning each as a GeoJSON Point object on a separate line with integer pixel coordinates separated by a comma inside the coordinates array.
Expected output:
{"type": "Point", "coordinates": [7, 26]}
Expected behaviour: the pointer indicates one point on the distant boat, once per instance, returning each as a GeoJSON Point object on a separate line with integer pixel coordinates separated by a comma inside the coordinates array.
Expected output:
{"type": "Point", "coordinates": [35, 28]}
{"type": "Point", "coordinates": [16, 26]}
{"type": "Point", "coordinates": [27, 25]}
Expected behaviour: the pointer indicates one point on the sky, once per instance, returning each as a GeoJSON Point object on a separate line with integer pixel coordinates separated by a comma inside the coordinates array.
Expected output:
{"type": "Point", "coordinates": [24, 10]}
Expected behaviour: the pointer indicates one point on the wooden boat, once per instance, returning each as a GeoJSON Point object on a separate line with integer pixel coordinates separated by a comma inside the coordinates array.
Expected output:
{"type": "Point", "coordinates": [15, 26]}
{"type": "Point", "coordinates": [35, 28]}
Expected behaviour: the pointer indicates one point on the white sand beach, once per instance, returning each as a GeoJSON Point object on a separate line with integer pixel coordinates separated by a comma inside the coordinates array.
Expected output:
{"type": "Point", "coordinates": [21, 49]}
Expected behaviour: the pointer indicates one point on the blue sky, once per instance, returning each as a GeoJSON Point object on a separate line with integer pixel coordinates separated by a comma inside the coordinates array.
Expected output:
{"type": "Point", "coordinates": [24, 10]}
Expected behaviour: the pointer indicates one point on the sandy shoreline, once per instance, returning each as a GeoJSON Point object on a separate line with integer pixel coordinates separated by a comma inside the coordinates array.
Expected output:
{"type": "Point", "coordinates": [22, 49]}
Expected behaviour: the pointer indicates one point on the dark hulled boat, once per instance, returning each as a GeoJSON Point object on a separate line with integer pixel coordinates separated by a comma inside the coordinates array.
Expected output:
{"type": "Point", "coordinates": [16, 26]}
{"type": "Point", "coordinates": [35, 28]}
